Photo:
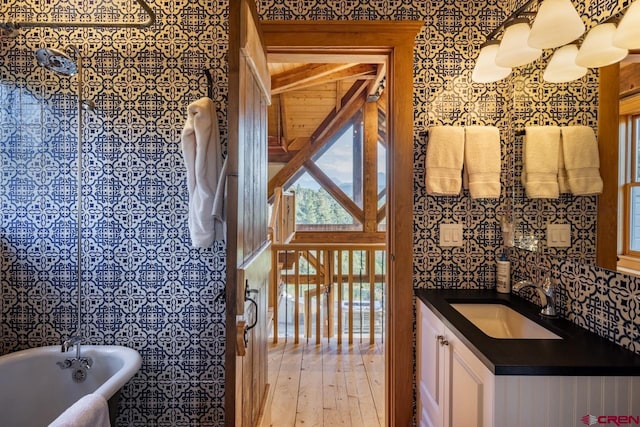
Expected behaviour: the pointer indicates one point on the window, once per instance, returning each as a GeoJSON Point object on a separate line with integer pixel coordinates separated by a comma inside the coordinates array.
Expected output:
{"type": "Point", "coordinates": [630, 132]}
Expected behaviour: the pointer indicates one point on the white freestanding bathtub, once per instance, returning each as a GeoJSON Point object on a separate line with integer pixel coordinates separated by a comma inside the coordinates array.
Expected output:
{"type": "Point", "coordinates": [34, 390]}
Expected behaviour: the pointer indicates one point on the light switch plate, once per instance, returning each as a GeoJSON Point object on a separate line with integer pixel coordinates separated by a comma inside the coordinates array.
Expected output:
{"type": "Point", "coordinates": [450, 235]}
{"type": "Point", "coordinates": [558, 235]}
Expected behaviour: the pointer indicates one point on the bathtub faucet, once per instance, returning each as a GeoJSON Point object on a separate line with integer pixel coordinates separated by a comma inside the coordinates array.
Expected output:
{"type": "Point", "coordinates": [79, 365]}
{"type": "Point", "coordinates": [72, 341]}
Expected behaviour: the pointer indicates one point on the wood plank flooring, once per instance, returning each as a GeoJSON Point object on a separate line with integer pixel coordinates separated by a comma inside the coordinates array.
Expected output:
{"type": "Point", "coordinates": [326, 384]}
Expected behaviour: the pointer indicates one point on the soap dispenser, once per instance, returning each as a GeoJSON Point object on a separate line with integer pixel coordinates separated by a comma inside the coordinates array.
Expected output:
{"type": "Point", "coordinates": [503, 274]}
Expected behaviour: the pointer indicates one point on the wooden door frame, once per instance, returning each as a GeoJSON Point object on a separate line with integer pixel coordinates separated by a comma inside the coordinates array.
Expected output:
{"type": "Point", "coordinates": [608, 145]}
{"type": "Point", "coordinates": [395, 39]}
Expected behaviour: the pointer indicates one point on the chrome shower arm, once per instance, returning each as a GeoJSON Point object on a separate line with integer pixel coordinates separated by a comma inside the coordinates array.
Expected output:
{"type": "Point", "coordinates": [12, 26]}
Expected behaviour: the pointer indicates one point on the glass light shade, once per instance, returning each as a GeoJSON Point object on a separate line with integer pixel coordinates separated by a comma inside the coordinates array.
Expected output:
{"type": "Point", "coordinates": [597, 49]}
{"type": "Point", "coordinates": [627, 35]}
{"type": "Point", "coordinates": [486, 70]}
{"type": "Point", "coordinates": [562, 66]}
{"type": "Point", "coordinates": [556, 23]}
{"type": "Point", "coordinates": [514, 50]}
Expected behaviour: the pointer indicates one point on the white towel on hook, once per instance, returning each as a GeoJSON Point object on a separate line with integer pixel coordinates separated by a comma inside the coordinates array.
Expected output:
{"type": "Point", "coordinates": [90, 410]}
{"type": "Point", "coordinates": [540, 162]}
{"type": "Point", "coordinates": [482, 163]}
{"type": "Point", "coordinates": [582, 160]}
{"type": "Point", "coordinates": [445, 155]}
{"type": "Point", "coordinates": [203, 160]}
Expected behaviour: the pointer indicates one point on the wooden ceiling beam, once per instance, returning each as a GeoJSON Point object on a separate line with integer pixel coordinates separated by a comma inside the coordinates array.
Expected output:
{"type": "Point", "coordinates": [317, 74]}
{"type": "Point", "coordinates": [351, 103]}
{"type": "Point", "coordinates": [376, 88]}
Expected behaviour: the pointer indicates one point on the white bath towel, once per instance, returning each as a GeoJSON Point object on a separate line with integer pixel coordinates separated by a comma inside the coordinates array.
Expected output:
{"type": "Point", "coordinates": [563, 179]}
{"type": "Point", "coordinates": [89, 411]}
{"type": "Point", "coordinates": [482, 161]}
{"type": "Point", "coordinates": [445, 155]}
{"type": "Point", "coordinates": [582, 160]}
{"type": "Point", "coordinates": [540, 162]}
{"type": "Point", "coordinates": [202, 156]}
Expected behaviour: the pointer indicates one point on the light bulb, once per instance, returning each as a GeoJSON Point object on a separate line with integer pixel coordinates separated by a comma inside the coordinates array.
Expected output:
{"type": "Point", "coordinates": [486, 70]}
{"type": "Point", "coordinates": [556, 23]}
{"type": "Point", "coordinates": [627, 35]}
{"type": "Point", "coordinates": [562, 66]}
{"type": "Point", "coordinates": [597, 49]}
{"type": "Point", "coordinates": [514, 50]}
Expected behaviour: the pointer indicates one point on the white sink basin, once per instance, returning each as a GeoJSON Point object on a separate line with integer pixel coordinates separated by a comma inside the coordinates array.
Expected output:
{"type": "Point", "coordinates": [500, 321]}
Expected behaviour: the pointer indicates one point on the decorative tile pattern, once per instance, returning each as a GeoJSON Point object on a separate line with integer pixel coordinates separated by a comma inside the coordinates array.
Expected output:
{"type": "Point", "coordinates": [144, 286]}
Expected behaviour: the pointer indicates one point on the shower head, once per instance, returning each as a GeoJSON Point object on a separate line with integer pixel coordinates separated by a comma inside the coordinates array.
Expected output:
{"type": "Point", "coordinates": [56, 61]}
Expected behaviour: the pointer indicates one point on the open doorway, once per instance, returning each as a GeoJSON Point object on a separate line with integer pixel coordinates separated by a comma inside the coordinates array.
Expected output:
{"type": "Point", "coordinates": [392, 44]}
{"type": "Point", "coordinates": [328, 169]}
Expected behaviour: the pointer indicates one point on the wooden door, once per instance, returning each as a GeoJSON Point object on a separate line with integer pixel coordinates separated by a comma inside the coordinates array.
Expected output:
{"type": "Point", "coordinates": [248, 253]}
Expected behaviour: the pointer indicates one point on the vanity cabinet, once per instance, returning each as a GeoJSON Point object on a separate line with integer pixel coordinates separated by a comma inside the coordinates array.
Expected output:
{"type": "Point", "coordinates": [454, 387]}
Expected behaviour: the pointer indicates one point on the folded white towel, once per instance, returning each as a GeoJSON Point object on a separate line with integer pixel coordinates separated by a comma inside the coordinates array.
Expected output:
{"type": "Point", "coordinates": [203, 161]}
{"type": "Point", "coordinates": [445, 155]}
{"type": "Point", "coordinates": [540, 161]}
{"type": "Point", "coordinates": [563, 179]}
{"type": "Point", "coordinates": [482, 161]}
{"type": "Point", "coordinates": [89, 411]}
{"type": "Point", "coordinates": [582, 160]}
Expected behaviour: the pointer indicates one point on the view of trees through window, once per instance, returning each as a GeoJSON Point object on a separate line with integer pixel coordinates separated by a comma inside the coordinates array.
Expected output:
{"type": "Point", "coordinates": [314, 205]}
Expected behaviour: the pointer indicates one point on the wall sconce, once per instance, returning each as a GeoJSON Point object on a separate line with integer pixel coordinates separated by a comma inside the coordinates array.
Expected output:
{"type": "Point", "coordinates": [562, 66]}
{"type": "Point", "coordinates": [513, 50]}
{"type": "Point", "coordinates": [627, 35]}
{"type": "Point", "coordinates": [486, 70]}
{"type": "Point", "coordinates": [597, 49]}
{"type": "Point", "coordinates": [556, 23]}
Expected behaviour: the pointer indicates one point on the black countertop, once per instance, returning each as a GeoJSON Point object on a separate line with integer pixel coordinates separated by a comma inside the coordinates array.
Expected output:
{"type": "Point", "coordinates": [580, 352]}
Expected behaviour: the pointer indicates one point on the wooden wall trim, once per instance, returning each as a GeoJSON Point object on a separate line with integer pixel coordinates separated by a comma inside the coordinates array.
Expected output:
{"type": "Point", "coordinates": [608, 145]}
{"type": "Point", "coordinates": [395, 41]}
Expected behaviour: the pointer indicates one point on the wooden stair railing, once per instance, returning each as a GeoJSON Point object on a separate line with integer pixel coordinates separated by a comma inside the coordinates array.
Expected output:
{"type": "Point", "coordinates": [320, 275]}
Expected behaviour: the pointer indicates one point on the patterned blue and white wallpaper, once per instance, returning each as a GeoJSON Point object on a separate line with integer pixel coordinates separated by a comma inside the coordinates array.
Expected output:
{"type": "Point", "coordinates": [144, 286]}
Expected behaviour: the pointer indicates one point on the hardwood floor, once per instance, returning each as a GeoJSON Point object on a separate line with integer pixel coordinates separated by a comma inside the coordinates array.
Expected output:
{"type": "Point", "coordinates": [326, 384]}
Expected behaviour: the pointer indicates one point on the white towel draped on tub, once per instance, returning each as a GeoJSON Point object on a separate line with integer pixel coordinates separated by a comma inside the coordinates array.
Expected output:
{"type": "Point", "coordinates": [540, 162]}
{"type": "Point", "coordinates": [482, 161]}
{"type": "Point", "coordinates": [445, 155]}
{"type": "Point", "coordinates": [89, 411]}
{"type": "Point", "coordinates": [205, 178]}
{"type": "Point", "coordinates": [582, 160]}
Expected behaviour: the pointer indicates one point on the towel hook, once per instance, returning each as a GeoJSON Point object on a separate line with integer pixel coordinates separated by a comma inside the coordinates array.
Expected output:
{"type": "Point", "coordinates": [207, 73]}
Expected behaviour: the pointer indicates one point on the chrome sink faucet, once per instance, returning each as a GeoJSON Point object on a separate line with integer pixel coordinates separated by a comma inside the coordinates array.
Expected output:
{"type": "Point", "coordinates": [547, 292]}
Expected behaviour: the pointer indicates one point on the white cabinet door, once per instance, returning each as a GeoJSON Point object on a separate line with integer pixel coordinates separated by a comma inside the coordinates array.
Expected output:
{"type": "Point", "coordinates": [431, 369]}
{"type": "Point", "coordinates": [455, 389]}
{"type": "Point", "coordinates": [470, 388]}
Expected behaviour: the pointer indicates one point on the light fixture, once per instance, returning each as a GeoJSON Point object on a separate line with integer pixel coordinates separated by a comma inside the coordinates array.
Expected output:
{"type": "Point", "coordinates": [486, 70]}
{"type": "Point", "coordinates": [627, 35]}
{"type": "Point", "coordinates": [562, 66]}
{"type": "Point", "coordinates": [597, 49]}
{"type": "Point", "coordinates": [556, 23]}
{"type": "Point", "coordinates": [513, 50]}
